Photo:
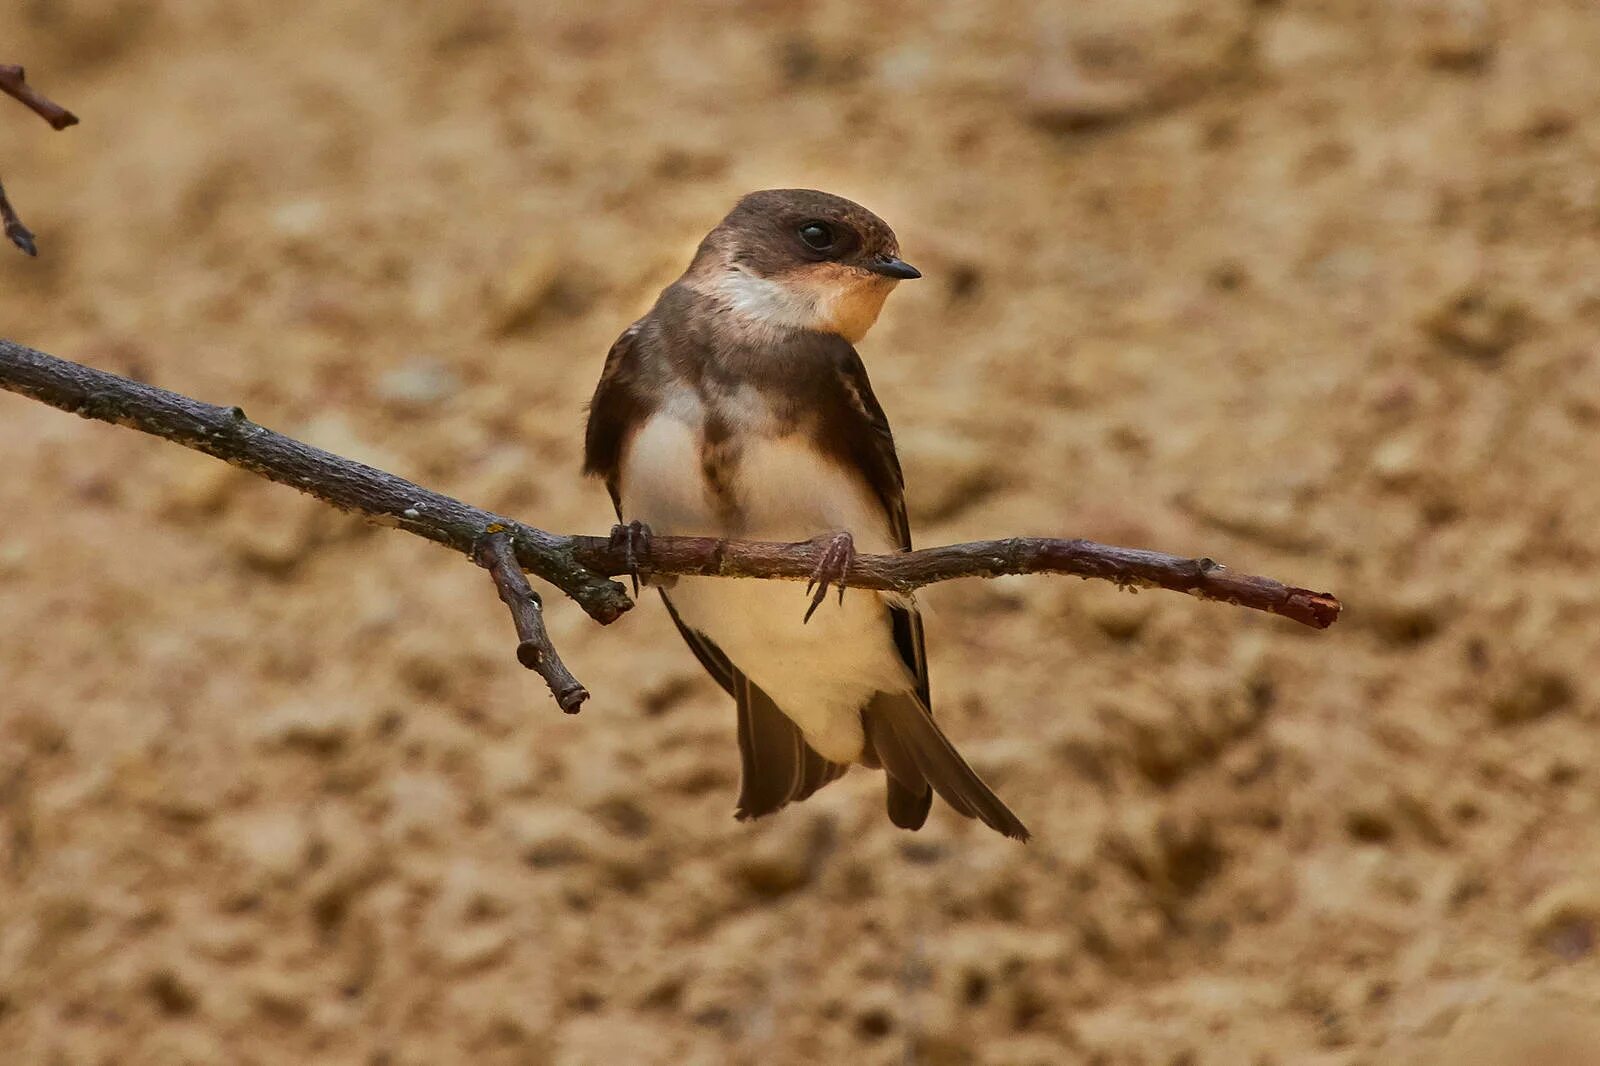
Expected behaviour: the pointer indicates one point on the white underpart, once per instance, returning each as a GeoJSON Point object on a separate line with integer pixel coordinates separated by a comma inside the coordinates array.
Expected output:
{"type": "Point", "coordinates": [821, 673]}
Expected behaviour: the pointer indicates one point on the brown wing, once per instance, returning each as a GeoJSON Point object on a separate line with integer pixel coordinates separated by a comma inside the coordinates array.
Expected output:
{"type": "Point", "coordinates": [917, 757]}
{"type": "Point", "coordinates": [862, 438]}
{"type": "Point", "coordinates": [615, 414]}
{"type": "Point", "coordinates": [860, 431]}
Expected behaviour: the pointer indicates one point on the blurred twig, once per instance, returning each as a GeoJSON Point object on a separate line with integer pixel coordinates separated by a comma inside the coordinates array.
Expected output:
{"type": "Point", "coordinates": [580, 566]}
{"type": "Point", "coordinates": [16, 232]}
{"type": "Point", "coordinates": [13, 82]}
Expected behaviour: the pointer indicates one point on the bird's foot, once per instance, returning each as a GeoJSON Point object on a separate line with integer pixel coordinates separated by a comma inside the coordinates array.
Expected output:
{"type": "Point", "coordinates": [633, 539]}
{"type": "Point", "coordinates": [838, 555]}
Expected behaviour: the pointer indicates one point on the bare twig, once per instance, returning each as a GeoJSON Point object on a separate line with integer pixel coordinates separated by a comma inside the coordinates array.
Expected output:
{"type": "Point", "coordinates": [13, 83]}
{"type": "Point", "coordinates": [579, 566]}
{"type": "Point", "coordinates": [494, 553]}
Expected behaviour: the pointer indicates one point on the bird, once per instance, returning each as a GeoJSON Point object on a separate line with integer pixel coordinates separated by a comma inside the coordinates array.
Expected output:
{"type": "Point", "coordinates": [738, 407]}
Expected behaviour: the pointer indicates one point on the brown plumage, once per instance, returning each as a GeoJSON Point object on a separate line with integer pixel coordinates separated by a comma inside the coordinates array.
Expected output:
{"type": "Point", "coordinates": [738, 407]}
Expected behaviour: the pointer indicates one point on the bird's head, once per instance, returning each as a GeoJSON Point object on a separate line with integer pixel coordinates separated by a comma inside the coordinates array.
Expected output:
{"type": "Point", "coordinates": [803, 259]}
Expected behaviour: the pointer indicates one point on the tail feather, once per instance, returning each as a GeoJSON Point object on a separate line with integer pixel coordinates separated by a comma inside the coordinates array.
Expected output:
{"type": "Point", "coordinates": [909, 796]}
{"type": "Point", "coordinates": [908, 809]}
{"type": "Point", "coordinates": [916, 755]}
{"type": "Point", "coordinates": [778, 766]}
{"type": "Point", "coordinates": [816, 771]}
{"type": "Point", "coordinates": [770, 750]}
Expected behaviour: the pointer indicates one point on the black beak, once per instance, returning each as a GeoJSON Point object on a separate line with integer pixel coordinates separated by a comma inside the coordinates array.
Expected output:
{"type": "Point", "coordinates": [894, 268]}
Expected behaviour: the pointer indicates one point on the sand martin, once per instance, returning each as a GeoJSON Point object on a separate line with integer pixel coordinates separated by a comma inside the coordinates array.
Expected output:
{"type": "Point", "coordinates": [738, 408]}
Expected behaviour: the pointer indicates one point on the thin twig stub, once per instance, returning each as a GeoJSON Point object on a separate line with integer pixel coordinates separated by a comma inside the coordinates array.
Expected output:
{"type": "Point", "coordinates": [494, 552]}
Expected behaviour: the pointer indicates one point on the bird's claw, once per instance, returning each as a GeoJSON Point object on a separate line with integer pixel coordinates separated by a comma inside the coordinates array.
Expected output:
{"type": "Point", "coordinates": [838, 555]}
{"type": "Point", "coordinates": [633, 539]}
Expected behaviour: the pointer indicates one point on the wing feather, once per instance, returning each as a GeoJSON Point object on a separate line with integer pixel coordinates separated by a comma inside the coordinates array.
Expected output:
{"type": "Point", "coordinates": [616, 412]}
{"type": "Point", "coordinates": [861, 432]}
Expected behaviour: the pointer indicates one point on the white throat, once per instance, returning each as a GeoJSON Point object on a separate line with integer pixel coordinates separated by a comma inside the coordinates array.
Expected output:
{"type": "Point", "coordinates": [845, 304]}
{"type": "Point", "coordinates": [773, 303]}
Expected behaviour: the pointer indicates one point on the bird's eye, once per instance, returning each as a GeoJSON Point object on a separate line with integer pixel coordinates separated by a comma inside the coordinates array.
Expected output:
{"type": "Point", "coordinates": [817, 235]}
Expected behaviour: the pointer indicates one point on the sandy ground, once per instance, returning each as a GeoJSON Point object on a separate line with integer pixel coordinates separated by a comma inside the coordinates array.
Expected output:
{"type": "Point", "coordinates": [1308, 286]}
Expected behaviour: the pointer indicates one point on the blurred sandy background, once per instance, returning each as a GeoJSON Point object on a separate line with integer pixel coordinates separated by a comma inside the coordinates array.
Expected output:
{"type": "Point", "coordinates": [1309, 287]}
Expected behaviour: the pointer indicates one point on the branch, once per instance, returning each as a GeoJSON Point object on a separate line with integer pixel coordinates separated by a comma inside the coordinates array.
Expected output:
{"type": "Point", "coordinates": [580, 566]}
{"type": "Point", "coordinates": [13, 83]}
{"type": "Point", "coordinates": [908, 571]}
{"type": "Point", "coordinates": [534, 650]}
